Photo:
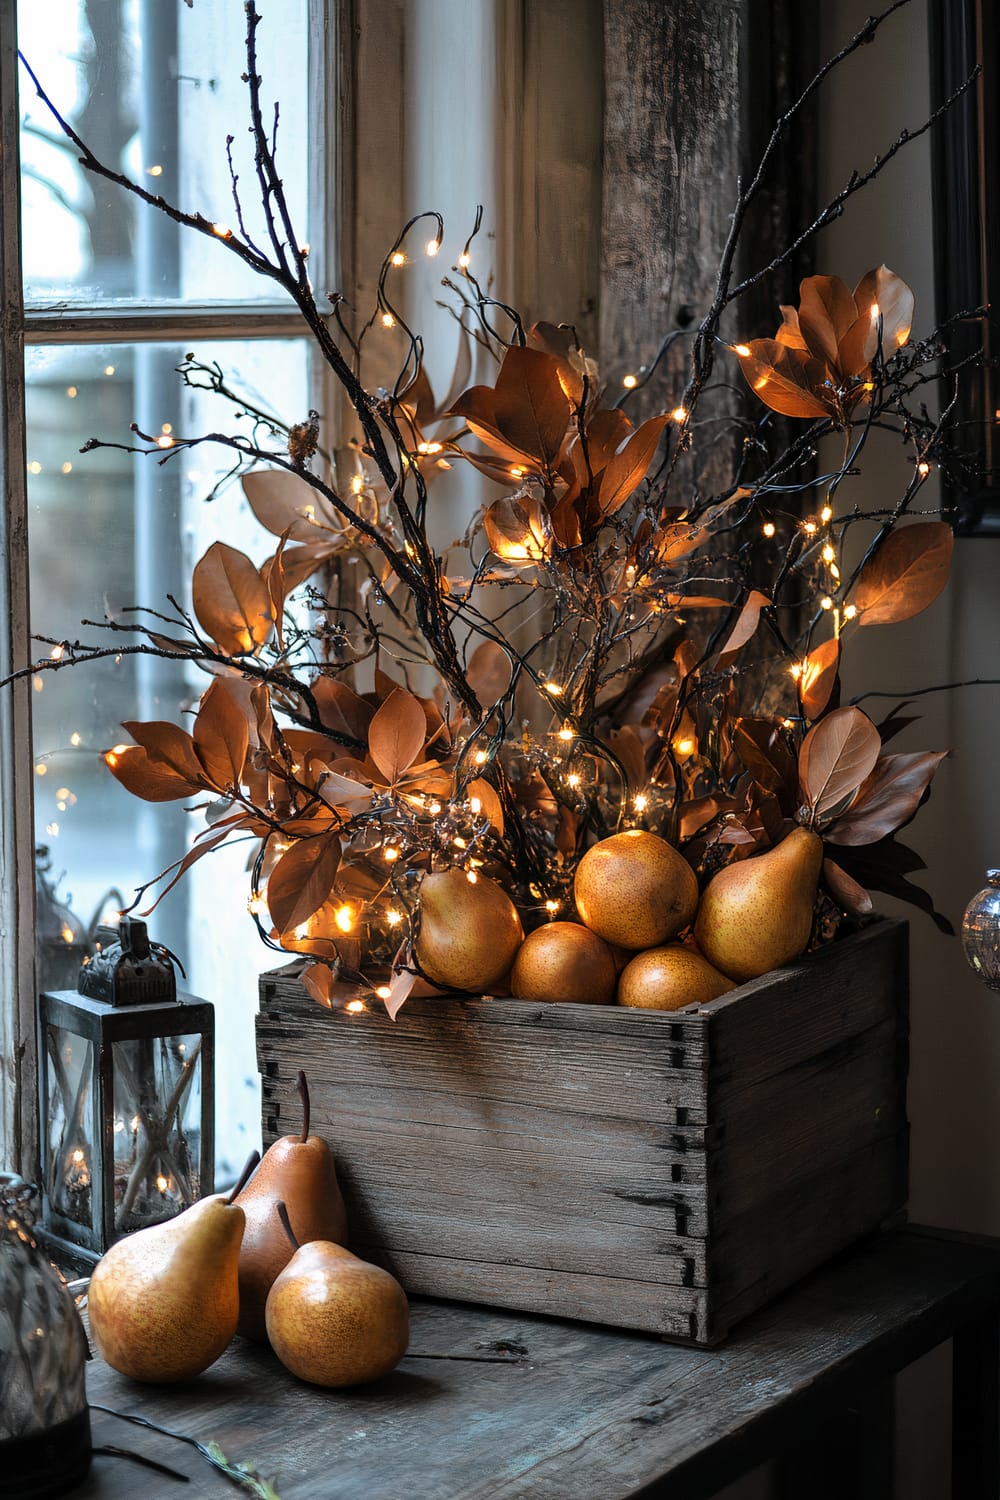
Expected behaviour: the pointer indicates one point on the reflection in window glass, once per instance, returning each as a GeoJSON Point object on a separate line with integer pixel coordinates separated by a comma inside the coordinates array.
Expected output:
{"type": "Point", "coordinates": [108, 531]}
{"type": "Point", "coordinates": [154, 87]}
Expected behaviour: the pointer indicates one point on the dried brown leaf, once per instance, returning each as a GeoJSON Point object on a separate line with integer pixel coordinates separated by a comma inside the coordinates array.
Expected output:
{"type": "Point", "coordinates": [826, 311]}
{"type": "Point", "coordinates": [531, 407]}
{"type": "Point", "coordinates": [488, 673]}
{"type": "Point", "coordinates": [147, 776]}
{"type": "Point", "coordinates": [397, 734]}
{"type": "Point", "coordinates": [845, 890]}
{"type": "Point", "coordinates": [400, 986]}
{"type": "Point", "coordinates": [518, 529]}
{"type": "Point", "coordinates": [905, 574]}
{"type": "Point", "coordinates": [837, 755]}
{"type": "Point", "coordinates": [287, 505]}
{"type": "Point", "coordinates": [301, 882]}
{"type": "Point", "coordinates": [222, 735]}
{"type": "Point", "coordinates": [889, 293]}
{"type": "Point", "coordinates": [231, 600]}
{"type": "Point", "coordinates": [818, 677]}
{"type": "Point", "coordinates": [888, 799]}
{"type": "Point", "coordinates": [747, 622]}
{"type": "Point", "coordinates": [492, 807]}
{"type": "Point", "coordinates": [785, 379]}
{"type": "Point", "coordinates": [628, 467]}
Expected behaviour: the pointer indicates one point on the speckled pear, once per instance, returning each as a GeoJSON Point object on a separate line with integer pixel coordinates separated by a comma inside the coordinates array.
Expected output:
{"type": "Point", "coordinates": [757, 914]}
{"type": "Point", "coordinates": [469, 931]}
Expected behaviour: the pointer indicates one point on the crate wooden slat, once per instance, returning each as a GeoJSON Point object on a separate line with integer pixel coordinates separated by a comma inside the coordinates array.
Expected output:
{"type": "Point", "coordinates": [662, 1171]}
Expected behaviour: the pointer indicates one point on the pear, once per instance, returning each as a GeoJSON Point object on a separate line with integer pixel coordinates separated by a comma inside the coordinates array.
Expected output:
{"type": "Point", "coordinates": [564, 961]}
{"type": "Point", "coordinates": [634, 890]}
{"type": "Point", "coordinates": [668, 978]}
{"type": "Point", "coordinates": [164, 1301]}
{"type": "Point", "coordinates": [757, 914]}
{"type": "Point", "coordinates": [469, 931]}
{"type": "Point", "coordinates": [333, 1319]}
{"type": "Point", "coordinates": [300, 1170]}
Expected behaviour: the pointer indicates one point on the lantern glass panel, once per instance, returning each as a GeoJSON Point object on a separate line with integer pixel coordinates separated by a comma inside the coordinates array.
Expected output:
{"type": "Point", "coordinates": [70, 1124]}
{"type": "Point", "coordinates": [156, 1128]}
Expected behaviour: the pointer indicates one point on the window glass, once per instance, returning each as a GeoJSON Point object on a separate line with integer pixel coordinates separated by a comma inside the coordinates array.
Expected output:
{"type": "Point", "coordinates": [154, 87]}
{"type": "Point", "coordinates": [107, 531]}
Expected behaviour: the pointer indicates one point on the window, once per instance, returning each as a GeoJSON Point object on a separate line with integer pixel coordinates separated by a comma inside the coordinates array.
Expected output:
{"type": "Point", "coordinates": [113, 298]}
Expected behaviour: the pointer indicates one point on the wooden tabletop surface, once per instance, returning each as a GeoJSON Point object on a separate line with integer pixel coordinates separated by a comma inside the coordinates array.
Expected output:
{"type": "Point", "coordinates": [505, 1405]}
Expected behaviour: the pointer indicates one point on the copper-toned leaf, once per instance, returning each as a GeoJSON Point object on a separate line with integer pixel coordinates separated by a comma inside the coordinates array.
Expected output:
{"type": "Point", "coordinates": [222, 736]}
{"type": "Point", "coordinates": [905, 574]}
{"type": "Point", "coordinates": [341, 709]}
{"type": "Point", "coordinates": [287, 505]}
{"type": "Point", "coordinates": [627, 469]}
{"type": "Point", "coordinates": [607, 430]}
{"type": "Point", "coordinates": [884, 867]}
{"type": "Point", "coordinates": [488, 673]}
{"type": "Point", "coordinates": [397, 734]}
{"type": "Point", "coordinates": [819, 675]}
{"type": "Point", "coordinates": [881, 293]}
{"type": "Point", "coordinates": [318, 980]}
{"type": "Point", "coordinates": [826, 311]}
{"type": "Point", "coordinates": [231, 600]}
{"type": "Point", "coordinates": [146, 776]}
{"type": "Point", "coordinates": [789, 332]}
{"type": "Point", "coordinates": [169, 746]}
{"type": "Point", "coordinates": [560, 341]}
{"type": "Point", "coordinates": [888, 799]}
{"type": "Point", "coordinates": [765, 752]}
{"type": "Point", "coordinates": [518, 529]}
{"type": "Point", "coordinates": [747, 621]}
{"type": "Point", "coordinates": [490, 804]}
{"type": "Point", "coordinates": [301, 882]}
{"type": "Point", "coordinates": [845, 890]}
{"type": "Point", "coordinates": [399, 988]}
{"type": "Point", "coordinates": [784, 379]}
{"type": "Point", "coordinates": [837, 755]}
{"type": "Point", "coordinates": [531, 407]}
{"type": "Point", "coordinates": [342, 791]}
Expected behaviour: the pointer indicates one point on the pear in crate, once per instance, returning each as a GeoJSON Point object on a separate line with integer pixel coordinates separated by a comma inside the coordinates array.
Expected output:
{"type": "Point", "coordinates": [163, 1302]}
{"type": "Point", "coordinates": [333, 1319]}
{"type": "Point", "coordinates": [757, 914]}
{"type": "Point", "coordinates": [300, 1171]}
{"type": "Point", "coordinates": [668, 978]}
{"type": "Point", "coordinates": [469, 931]}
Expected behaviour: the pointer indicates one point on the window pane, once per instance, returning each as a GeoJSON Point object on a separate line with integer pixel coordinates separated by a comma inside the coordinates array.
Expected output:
{"type": "Point", "coordinates": [108, 530]}
{"type": "Point", "coordinates": [154, 88]}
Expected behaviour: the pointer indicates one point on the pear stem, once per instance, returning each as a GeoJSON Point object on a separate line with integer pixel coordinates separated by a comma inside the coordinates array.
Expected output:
{"type": "Point", "coordinates": [303, 1088]}
{"type": "Point", "coordinates": [253, 1162]}
{"type": "Point", "coordinates": [286, 1224]}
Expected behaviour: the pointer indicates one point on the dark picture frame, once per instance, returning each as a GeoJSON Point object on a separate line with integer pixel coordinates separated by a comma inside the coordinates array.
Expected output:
{"type": "Point", "coordinates": [966, 184]}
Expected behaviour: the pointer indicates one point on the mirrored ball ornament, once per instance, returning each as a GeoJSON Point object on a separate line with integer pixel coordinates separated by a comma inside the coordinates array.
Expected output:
{"type": "Point", "coordinates": [981, 931]}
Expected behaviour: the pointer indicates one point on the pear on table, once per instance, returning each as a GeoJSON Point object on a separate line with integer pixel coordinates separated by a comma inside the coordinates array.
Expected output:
{"type": "Point", "coordinates": [334, 1319]}
{"type": "Point", "coordinates": [300, 1171]}
{"type": "Point", "coordinates": [164, 1302]}
{"type": "Point", "coordinates": [757, 914]}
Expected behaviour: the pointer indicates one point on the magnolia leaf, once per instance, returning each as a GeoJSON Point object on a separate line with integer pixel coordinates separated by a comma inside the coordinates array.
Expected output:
{"type": "Point", "coordinates": [846, 891]}
{"type": "Point", "coordinates": [819, 675]}
{"type": "Point", "coordinates": [399, 987]}
{"type": "Point", "coordinates": [147, 776]}
{"type": "Point", "coordinates": [170, 746]}
{"type": "Point", "coordinates": [628, 467]}
{"type": "Point", "coordinates": [881, 293]}
{"type": "Point", "coordinates": [785, 379]}
{"type": "Point", "coordinates": [607, 432]}
{"type": "Point", "coordinates": [765, 752]}
{"type": "Point", "coordinates": [790, 334]}
{"type": "Point", "coordinates": [318, 980]}
{"type": "Point", "coordinates": [491, 806]}
{"type": "Point", "coordinates": [629, 744]}
{"type": "Point", "coordinates": [562, 343]}
{"type": "Point", "coordinates": [905, 574]}
{"type": "Point", "coordinates": [531, 407]}
{"type": "Point", "coordinates": [747, 622]}
{"type": "Point", "coordinates": [342, 710]}
{"type": "Point", "coordinates": [488, 673]}
{"type": "Point", "coordinates": [888, 799]}
{"type": "Point", "coordinates": [397, 734]}
{"type": "Point", "coordinates": [884, 867]}
{"type": "Point", "coordinates": [342, 791]}
{"type": "Point", "coordinates": [518, 529]}
{"type": "Point", "coordinates": [231, 600]}
{"type": "Point", "coordinates": [222, 736]}
{"type": "Point", "coordinates": [287, 505]}
{"type": "Point", "coordinates": [826, 311]}
{"type": "Point", "coordinates": [837, 755]}
{"type": "Point", "coordinates": [301, 882]}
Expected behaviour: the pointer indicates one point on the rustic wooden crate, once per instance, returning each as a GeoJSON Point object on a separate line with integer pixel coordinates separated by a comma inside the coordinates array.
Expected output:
{"type": "Point", "coordinates": [653, 1170]}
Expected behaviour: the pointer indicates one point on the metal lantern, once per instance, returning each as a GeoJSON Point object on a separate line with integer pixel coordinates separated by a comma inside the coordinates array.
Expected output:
{"type": "Point", "coordinates": [981, 931]}
{"type": "Point", "coordinates": [128, 1125]}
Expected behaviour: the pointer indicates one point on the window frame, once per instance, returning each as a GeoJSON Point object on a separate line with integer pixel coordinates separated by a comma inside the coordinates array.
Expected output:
{"type": "Point", "coordinates": [21, 328]}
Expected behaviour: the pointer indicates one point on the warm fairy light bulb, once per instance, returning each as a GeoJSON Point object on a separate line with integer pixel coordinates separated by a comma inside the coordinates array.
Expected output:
{"type": "Point", "coordinates": [460, 843]}
{"type": "Point", "coordinates": [835, 572]}
{"type": "Point", "coordinates": [357, 484]}
{"type": "Point", "coordinates": [255, 905]}
{"type": "Point", "coordinates": [464, 259]}
{"type": "Point", "coordinates": [155, 170]}
{"type": "Point", "coordinates": [554, 688]}
{"type": "Point", "coordinates": [826, 514]}
{"type": "Point", "coordinates": [77, 1157]}
{"type": "Point", "coordinates": [768, 528]}
{"type": "Point", "coordinates": [795, 670]}
{"type": "Point", "coordinates": [344, 918]}
{"type": "Point", "coordinates": [684, 747]}
{"type": "Point", "coordinates": [573, 779]}
{"type": "Point", "coordinates": [923, 469]}
{"type": "Point", "coordinates": [828, 554]}
{"type": "Point", "coordinates": [679, 414]}
{"type": "Point", "coordinates": [67, 934]}
{"type": "Point", "coordinates": [67, 468]}
{"type": "Point", "coordinates": [388, 321]}
{"type": "Point", "coordinates": [641, 802]}
{"type": "Point", "coordinates": [56, 653]}
{"type": "Point", "coordinates": [434, 809]}
{"type": "Point", "coordinates": [222, 230]}
{"type": "Point", "coordinates": [876, 312]}
{"type": "Point", "coordinates": [75, 739]}
{"type": "Point", "coordinates": [302, 932]}
{"type": "Point", "coordinates": [164, 441]}
{"type": "Point", "coordinates": [34, 467]}
{"type": "Point", "coordinates": [630, 382]}
{"type": "Point", "coordinates": [516, 472]}
{"type": "Point", "coordinates": [432, 247]}
{"type": "Point", "coordinates": [161, 1183]}
{"type": "Point", "coordinates": [72, 392]}
{"type": "Point", "coordinates": [743, 350]}
{"type": "Point", "coordinates": [167, 427]}
{"type": "Point", "coordinates": [552, 907]}
{"type": "Point", "coordinates": [354, 1006]}
{"type": "Point", "coordinates": [429, 448]}
{"type": "Point", "coordinates": [826, 602]}
{"type": "Point", "coordinates": [397, 258]}
{"type": "Point", "coordinates": [566, 733]}
{"type": "Point", "coordinates": [109, 369]}
{"type": "Point", "coordinates": [393, 917]}
{"type": "Point", "coordinates": [809, 527]}
{"type": "Point", "coordinates": [475, 805]}
{"type": "Point", "coordinates": [471, 876]}
{"type": "Point", "coordinates": [480, 757]}
{"type": "Point", "coordinates": [390, 855]}
{"type": "Point", "coordinates": [383, 992]}
{"type": "Point", "coordinates": [850, 611]}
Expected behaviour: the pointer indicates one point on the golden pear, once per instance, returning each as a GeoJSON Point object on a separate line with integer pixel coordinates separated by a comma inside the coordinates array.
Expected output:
{"type": "Point", "coordinates": [336, 1320]}
{"type": "Point", "coordinates": [469, 931]}
{"type": "Point", "coordinates": [164, 1301]}
{"type": "Point", "coordinates": [757, 914]}
{"type": "Point", "coordinates": [634, 890]}
{"type": "Point", "coordinates": [668, 978]}
{"type": "Point", "coordinates": [564, 961]}
{"type": "Point", "coordinates": [300, 1171]}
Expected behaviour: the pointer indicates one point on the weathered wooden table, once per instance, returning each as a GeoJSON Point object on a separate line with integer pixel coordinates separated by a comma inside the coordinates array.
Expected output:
{"type": "Point", "coordinates": [503, 1405]}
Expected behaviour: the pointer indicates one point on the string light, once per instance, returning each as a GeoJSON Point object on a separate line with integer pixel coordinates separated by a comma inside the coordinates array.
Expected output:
{"type": "Point", "coordinates": [743, 350]}
{"type": "Point", "coordinates": [34, 467]}
{"type": "Point", "coordinates": [640, 802]}
{"type": "Point", "coordinates": [383, 992]}
{"type": "Point", "coordinates": [56, 654]}
{"type": "Point", "coordinates": [354, 1006]}
{"type": "Point", "coordinates": [357, 484]}
{"type": "Point", "coordinates": [573, 779]}
{"type": "Point", "coordinates": [809, 527]}
{"type": "Point", "coordinates": [566, 733]}
{"type": "Point", "coordinates": [67, 467]}
{"type": "Point", "coordinates": [630, 382]}
{"type": "Point", "coordinates": [684, 747]}
{"type": "Point", "coordinates": [516, 472]}
{"type": "Point", "coordinates": [430, 448]}
{"type": "Point", "coordinates": [432, 247]}
{"type": "Point", "coordinates": [72, 392]}
{"type": "Point", "coordinates": [41, 769]}
{"type": "Point", "coordinates": [679, 414]}
{"type": "Point", "coordinates": [475, 805]}
{"type": "Point", "coordinates": [464, 259]}
{"type": "Point", "coordinates": [826, 514]}
{"type": "Point", "coordinates": [38, 684]}
{"type": "Point", "coordinates": [390, 854]}
{"type": "Point", "coordinates": [397, 258]}
{"type": "Point", "coordinates": [552, 906]}
{"type": "Point", "coordinates": [826, 602]}
{"type": "Point", "coordinates": [555, 688]}
{"type": "Point", "coordinates": [109, 369]}
{"type": "Point", "coordinates": [481, 757]}
{"type": "Point", "coordinates": [156, 170]}
{"type": "Point", "coordinates": [75, 739]}
{"type": "Point", "coordinates": [222, 230]}
{"type": "Point", "coordinates": [388, 321]}
{"type": "Point", "coordinates": [344, 918]}
{"type": "Point", "coordinates": [923, 469]}
{"type": "Point", "coordinates": [393, 917]}
{"type": "Point", "coordinates": [828, 554]}
{"type": "Point", "coordinates": [768, 528]}
{"type": "Point", "coordinates": [850, 611]}
{"type": "Point", "coordinates": [795, 670]}
{"type": "Point", "coordinates": [434, 809]}
{"type": "Point", "coordinates": [471, 876]}
{"type": "Point", "coordinates": [164, 441]}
